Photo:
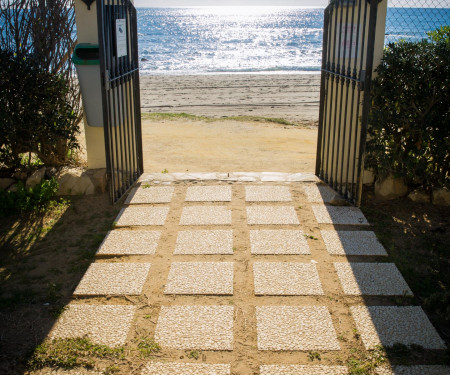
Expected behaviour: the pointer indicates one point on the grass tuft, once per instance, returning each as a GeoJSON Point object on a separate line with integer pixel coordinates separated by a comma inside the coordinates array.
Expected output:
{"type": "Point", "coordinates": [148, 346]}
{"type": "Point", "coordinates": [187, 116]}
{"type": "Point", "coordinates": [70, 353]}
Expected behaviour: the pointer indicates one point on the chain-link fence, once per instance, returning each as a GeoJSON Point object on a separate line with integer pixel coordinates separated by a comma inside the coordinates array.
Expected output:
{"type": "Point", "coordinates": [412, 19]}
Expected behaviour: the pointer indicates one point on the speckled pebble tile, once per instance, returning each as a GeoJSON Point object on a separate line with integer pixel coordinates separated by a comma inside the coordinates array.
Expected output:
{"type": "Point", "coordinates": [103, 324]}
{"type": "Point", "coordinates": [200, 278]}
{"type": "Point", "coordinates": [265, 242]}
{"type": "Point", "coordinates": [208, 194]}
{"type": "Point", "coordinates": [272, 215]}
{"type": "Point", "coordinates": [302, 370]}
{"type": "Point", "coordinates": [412, 370]}
{"type": "Point", "coordinates": [113, 279]}
{"type": "Point", "coordinates": [352, 243]}
{"type": "Point", "coordinates": [373, 279]}
{"type": "Point", "coordinates": [388, 325]}
{"type": "Point", "coordinates": [267, 194]}
{"type": "Point", "coordinates": [130, 242]}
{"type": "Point", "coordinates": [204, 242]}
{"type": "Point", "coordinates": [78, 371]}
{"type": "Point", "coordinates": [339, 215]}
{"type": "Point", "coordinates": [141, 215]}
{"type": "Point", "coordinates": [195, 327]}
{"type": "Point", "coordinates": [150, 194]}
{"type": "Point", "coordinates": [286, 279]}
{"type": "Point", "coordinates": [295, 328]}
{"type": "Point", "coordinates": [318, 193]}
{"type": "Point", "coordinates": [172, 368]}
{"type": "Point", "coordinates": [206, 215]}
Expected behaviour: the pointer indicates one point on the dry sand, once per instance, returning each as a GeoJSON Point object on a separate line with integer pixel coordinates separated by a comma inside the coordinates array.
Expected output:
{"type": "Point", "coordinates": [230, 146]}
{"type": "Point", "coordinates": [227, 146]}
{"type": "Point", "coordinates": [294, 97]}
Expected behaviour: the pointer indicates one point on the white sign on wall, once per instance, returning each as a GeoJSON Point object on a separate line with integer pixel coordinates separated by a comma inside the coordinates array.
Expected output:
{"type": "Point", "coordinates": [121, 37]}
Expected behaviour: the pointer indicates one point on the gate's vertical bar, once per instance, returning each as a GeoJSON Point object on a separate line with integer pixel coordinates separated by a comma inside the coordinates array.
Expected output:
{"type": "Point", "coordinates": [337, 107]}
{"type": "Point", "coordinates": [328, 83]}
{"type": "Point", "coordinates": [354, 77]}
{"type": "Point", "coordinates": [346, 73]}
{"type": "Point", "coordinates": [137, 96]}
{"type": "Point", "coordinates": [333, 78]}
{"type": "Point", "coordinates": [105, 82]}
{"type": "Point", "coordinates": [323, 80]}
{"type": "Point", "coordinates": [342, 122]}
{"type": "Point", "coordinates": [366, 102]}
{"type": "Point", "coordinates": [361, 79]}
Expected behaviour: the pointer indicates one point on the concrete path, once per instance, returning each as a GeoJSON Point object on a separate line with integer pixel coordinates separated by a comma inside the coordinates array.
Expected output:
{"type": "Point", "coordinates": [255, 276]}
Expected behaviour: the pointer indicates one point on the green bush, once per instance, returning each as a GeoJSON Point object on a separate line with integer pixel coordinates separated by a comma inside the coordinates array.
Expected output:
{"type": "Point", "coordinates": [26, 200]}
{"type": "Point", "coordinates": [35, 113]}
{"type": "Point", "coordinates": [410, 118]}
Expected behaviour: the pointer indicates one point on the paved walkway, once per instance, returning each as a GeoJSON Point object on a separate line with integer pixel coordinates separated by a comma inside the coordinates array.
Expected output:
{"type": "Point", "coordinates": [252, 274]}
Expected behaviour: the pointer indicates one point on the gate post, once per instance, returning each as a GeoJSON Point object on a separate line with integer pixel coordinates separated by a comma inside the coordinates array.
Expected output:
{"type": "Point", "coordinates": [86, 21]}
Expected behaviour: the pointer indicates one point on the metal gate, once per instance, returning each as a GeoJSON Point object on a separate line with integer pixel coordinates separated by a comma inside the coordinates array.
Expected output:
{"type": "Point", "coordinates": [119, 65]}
{"type": "Point", "coordinates": [347, 63]}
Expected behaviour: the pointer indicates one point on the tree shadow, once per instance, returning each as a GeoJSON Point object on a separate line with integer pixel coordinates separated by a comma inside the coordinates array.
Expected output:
{"type": "Point", "coordinates": [43, 257]}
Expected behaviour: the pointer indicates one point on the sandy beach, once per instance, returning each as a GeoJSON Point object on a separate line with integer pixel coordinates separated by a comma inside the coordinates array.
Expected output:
{"type": "Point", "coordinates": [294, 97]}
{"type": "Point", "coordinates": [224, 145]}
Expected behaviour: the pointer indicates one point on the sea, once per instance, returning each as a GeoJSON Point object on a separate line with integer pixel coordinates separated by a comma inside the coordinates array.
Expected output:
{"type": "Point", "coordinates": [269, 40]}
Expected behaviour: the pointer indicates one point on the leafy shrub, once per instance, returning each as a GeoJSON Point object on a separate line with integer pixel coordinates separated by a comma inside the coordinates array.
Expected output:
{"type": "Point", "coordinates": [31, 199]}
{"type": "Point", "coordinates": [35, 113]}
{"type": "Point", "coordinates": [410, 117]}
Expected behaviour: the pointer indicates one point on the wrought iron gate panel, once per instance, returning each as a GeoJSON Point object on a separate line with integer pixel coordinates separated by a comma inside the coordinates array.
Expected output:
{"type": "Point", "coordinates": [346, 74]}
{"type": "Point", "coordinates": [119, 66]}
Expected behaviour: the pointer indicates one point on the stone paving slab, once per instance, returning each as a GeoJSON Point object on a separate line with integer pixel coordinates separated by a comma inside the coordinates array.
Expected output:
{"type": "Point", "coordinates": [302, 370]}
{"type": "Point", "coordinates": [230, 176]}
{"type": "Point", "coordinates": [141, 215]}
{"type": "Point", "coordinates": [103, 324]}
{"type": "Point", "coordinates": [373, 279]}
{"type": "Point", "coordinates": [208, 194]}
{"type": "Point", "coordinates": [272, 215]}
{"type": "Point", "coordinates": [204, 242]}
{"type": "Point", "coordinates": [195, 327]}
{"type": "Point", "coordinates": [295, 328]}
{"type": "Point", "coordinates": [113, 279]}
{"type": "Point", "coordinates": [130, 242]}
{"type": "Point", "coordinates": [339, 215]}
{"type": "Point", "coordinates": [388, 325]}
{"type": "Point", "coordinates": [264, 242]}
{"type": "Point", "coordinates": [286, 279]}
{"type": "Point", "coordinates": [150, 194]}
{"type": "Point", "coordinates": [200, 278]}
{"type": "Point", "coordinates": [52, 371]}
{"type": "Point", "coordinates": [318, 193]}
{"type": "Point", "coordinates": [352, 243]}
{"type": "Point", "coordinates": [267, 194]}
{"type": "Point", "coordinates": [172, 368]}
{"type": "Point", "coordinates": [413, 370]}
{"type": "Point", "coordinates": [206, 215]}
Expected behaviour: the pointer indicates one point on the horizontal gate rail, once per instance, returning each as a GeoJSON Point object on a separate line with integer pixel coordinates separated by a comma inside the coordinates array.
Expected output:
{"type": "Point", "coordinates": [346, 73]}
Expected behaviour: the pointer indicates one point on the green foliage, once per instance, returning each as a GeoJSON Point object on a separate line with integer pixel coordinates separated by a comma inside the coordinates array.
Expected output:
{"type": "Point", "coordinates": [410, 117]}
{"type": "Point", "coordinates": [26, 200]}
{"type": "Point", "coordinates": [148, 346]}
{"type": "Point", "coordinates": [70, 353]}
{"type": "Point", "coordinates": [35, 113]}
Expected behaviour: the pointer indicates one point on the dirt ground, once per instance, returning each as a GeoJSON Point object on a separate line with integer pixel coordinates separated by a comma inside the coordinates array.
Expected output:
{"type": "Point", "coordinates": [227, 146]}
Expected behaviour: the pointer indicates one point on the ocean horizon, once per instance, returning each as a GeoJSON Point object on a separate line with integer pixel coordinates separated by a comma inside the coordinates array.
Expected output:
{"type": "Point", "coordinates": [248, 40]}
